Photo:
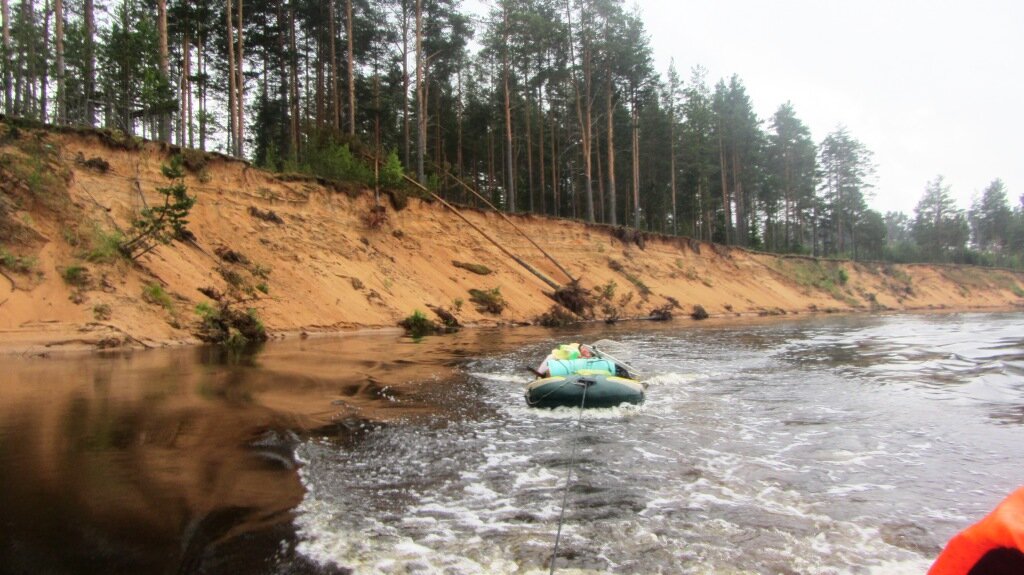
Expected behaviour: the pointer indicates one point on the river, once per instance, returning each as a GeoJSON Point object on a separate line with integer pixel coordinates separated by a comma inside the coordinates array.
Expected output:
{"type": "Point", "coordinates": [826, 444]}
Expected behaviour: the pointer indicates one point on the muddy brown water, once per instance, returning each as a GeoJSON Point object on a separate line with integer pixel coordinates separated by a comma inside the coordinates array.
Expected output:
{"type": "Point", "coordinates": [808, 445]}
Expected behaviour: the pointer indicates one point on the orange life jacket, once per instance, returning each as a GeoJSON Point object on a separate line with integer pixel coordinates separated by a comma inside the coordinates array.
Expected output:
{"type": "Point", "coordinates": [994, 545]}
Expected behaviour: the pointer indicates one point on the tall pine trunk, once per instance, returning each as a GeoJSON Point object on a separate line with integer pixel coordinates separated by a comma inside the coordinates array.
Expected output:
{"type": "Point", "coordinates": [165, 66]}
{"type": "Point", "coordinates": [741, 208]}
{"type": "Point", "coordinates": [406, 126]}
{"type": "Point", "coordinates": [458, 128]}
{"type": "Point", "coordinates": [8, 58]}
{"type": "Point", "coordinates": [201, 68]}
{"type": "Point", "coordinates": [58, 10]}
{"type": "Point", "coordinates": [672, 165]}
{"type": "Point", "coordinates": [321, 114]}
{"type": "Point", "coordinates": [185, 130]}
{"type": "Point", "coordinates": [610, 104]}
{"type": "Point", "coordinates": [583, 112]}
{"type": "Point", "coordinates": [511, 174]}
{"type": "Point", "coordinates": [351, 70]}
{"type": "Point", "coordinates": [90, 63]}
{"type": "Point", "coordinates": [440, 158]}
{"type": "Point", "coordinates": [45, 81]}
{"type": "Point", "coordinates": [335, 97]}
{"type": "Point", "coordinates": [232, 116]}
{"type": "Point", "coordinates": [588, 128]}
{"type": "Point", "coordinates": [240, 100]}
{"type": "Point", "coordinates": [294, 87]}
{"type": "Point", "coordinates": [555, 166]}
{"type": "Point", "coordinates": [727, 222]}
{"type": "Point", "coordinates": [529, 153]}
{"type": "Point", "coordinates": [600, 203]}
{"type": "Point", "coordinates": [421, 105]}
{"type": "Point", "coordinates": [540, 150]}
{"type": "Point", "coordinates": [636, 165]}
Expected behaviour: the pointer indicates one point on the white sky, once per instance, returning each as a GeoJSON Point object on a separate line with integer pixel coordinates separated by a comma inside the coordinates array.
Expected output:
{"type": "Point", "coordinates": [931, 87]}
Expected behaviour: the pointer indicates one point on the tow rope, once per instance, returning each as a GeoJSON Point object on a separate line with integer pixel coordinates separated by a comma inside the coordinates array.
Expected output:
{"type": "Point", "coordinates": [568, 480]}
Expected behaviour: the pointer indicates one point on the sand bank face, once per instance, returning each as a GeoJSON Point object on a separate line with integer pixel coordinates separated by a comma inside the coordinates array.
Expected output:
{"type": "Point", "coordinates": [318, 266]}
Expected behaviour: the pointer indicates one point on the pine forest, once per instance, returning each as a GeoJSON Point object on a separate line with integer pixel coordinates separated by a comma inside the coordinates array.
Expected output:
{"type": "Point", "coordinates": [550, 107]}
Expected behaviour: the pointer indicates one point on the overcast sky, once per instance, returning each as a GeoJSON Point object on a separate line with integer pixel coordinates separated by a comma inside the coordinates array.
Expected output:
{"type": "Point", "coordinates": [931, 87]}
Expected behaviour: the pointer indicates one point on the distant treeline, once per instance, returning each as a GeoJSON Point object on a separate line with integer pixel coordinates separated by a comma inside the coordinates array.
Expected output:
{"type": "Point", "coordinates": [547, 106]}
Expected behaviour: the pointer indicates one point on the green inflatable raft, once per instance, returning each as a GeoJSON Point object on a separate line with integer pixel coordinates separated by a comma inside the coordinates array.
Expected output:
{"type": "Point", "coordinates": [584, 390]}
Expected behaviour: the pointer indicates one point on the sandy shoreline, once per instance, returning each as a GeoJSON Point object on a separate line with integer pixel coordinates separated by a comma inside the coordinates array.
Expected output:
{"type": "Point", "coordinates": [67, 343]}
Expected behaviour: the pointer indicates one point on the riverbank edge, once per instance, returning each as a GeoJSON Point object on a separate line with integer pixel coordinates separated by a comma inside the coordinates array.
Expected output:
{"type": "Point", "coordinates": [36, 346]}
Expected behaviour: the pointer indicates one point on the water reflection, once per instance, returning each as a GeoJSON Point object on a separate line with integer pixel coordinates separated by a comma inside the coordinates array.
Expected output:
{"type": "Point", "coordinates": [138, 463]}
{"type": "Point", "coordinates": [183, 460]}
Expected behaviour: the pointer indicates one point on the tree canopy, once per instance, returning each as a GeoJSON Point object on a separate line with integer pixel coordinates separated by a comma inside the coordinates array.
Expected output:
{"type": "Point", "coordinates": [545, 106]}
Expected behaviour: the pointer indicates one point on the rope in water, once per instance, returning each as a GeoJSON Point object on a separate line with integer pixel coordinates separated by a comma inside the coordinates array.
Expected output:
{"type": "Point", "coordinates": [568, 479]}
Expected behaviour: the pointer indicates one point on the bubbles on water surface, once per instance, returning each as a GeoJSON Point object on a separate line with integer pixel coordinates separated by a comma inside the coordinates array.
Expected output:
{"type": "Point", "coordinates": [746, 458]}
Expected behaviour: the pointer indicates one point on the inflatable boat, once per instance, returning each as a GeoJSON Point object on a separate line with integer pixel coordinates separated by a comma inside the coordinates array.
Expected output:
{"type": "Point", "coordinates": [580, 390]}
{"type": "Point", "coordinates": [583, 382]}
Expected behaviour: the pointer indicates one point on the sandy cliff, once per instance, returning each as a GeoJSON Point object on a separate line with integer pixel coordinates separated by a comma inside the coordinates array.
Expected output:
{"type": "Point", "coordinates": [309, 258]}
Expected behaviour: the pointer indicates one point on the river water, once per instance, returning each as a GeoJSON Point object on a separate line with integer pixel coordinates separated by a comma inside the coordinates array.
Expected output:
{"type": "Point", "coordinates": [854, 444]}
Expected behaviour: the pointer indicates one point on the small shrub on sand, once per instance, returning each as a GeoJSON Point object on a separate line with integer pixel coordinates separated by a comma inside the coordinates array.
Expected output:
{"type": "Point", "coordinates": [448, 320]}
{"type": "Point", "coordinates": [576, 299]}
{"type": "Point", "coordinates": [231, 256]}
{"type": "Point", "coordinates": [155, 294]}
{"type": "Point", "coordinates": [606, 299]}
{"type": "Point", "coordinates": [663, 313]}
{"type": "Point", "coordinates": [418, 324]}
{"type": "Point", "coordinates": [101, 312]}
{"type": "Point", "coordinates": [226, 325]}
{"type": "Point", "coordinates": [233, 278]}
{"type": "Point", "coordinates": [488, 301]}
{"type": "Point", "coordinates": [75, 275]}
{"type": "Point", "coordinates": [699, 312]}
{"type": "Point", "coordinates": [557, 316]}
{"type": "Point", "coordinates": [17, 264]}
{"type": "Point", "coordinates": [478, 269]}
{"type": "Point", "coordinates": [104, 246]}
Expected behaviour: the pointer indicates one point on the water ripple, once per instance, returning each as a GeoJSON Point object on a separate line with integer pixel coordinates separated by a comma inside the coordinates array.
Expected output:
{"type": "Point", "coordinates": [825, 446]}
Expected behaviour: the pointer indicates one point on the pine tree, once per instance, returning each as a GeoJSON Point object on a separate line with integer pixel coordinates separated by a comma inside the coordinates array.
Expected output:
{"type": "Point", "coordinates": [790, 165]}
{"type": "Point", "coordinates": [846, 171]}
{"type": "Point", "coordinates": [940, 228]}
{"type": "Point", "coordinates": [700, 156]}
{"type": "Point", "coordinates": [161, 223]}
{"type": "Point", "coordinates": [132, 86]}
{"type": "Point", "coordinates": [990, 217]}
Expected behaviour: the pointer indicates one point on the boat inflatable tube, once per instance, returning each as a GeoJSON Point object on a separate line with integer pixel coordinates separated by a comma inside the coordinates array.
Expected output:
{"type": "Point", "coordinates": [569, 366]}
{"type": "Point", "coordinates": [993, 546]}
{"type": "Point", "coordinates": [584, 390]}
